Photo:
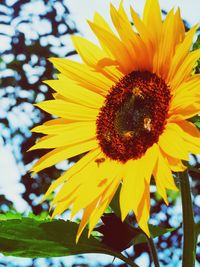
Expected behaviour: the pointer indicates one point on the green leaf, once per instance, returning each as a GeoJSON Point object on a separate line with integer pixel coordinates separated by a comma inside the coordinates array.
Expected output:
{"type": "Point", "coordinates": [10, 215]}
{"type": "Point", "coordinates": [196, 45]}
{"type": "Point", "coordinates": [36, 238]}
{"type": "Point", "coordinates": [197, 123]}
{"type": "Point", "coordinates": [196, 120]}
{"type": "Point", "coordinates": [28, 237]}
{"type": "Point", "coordinates": [155, 231]}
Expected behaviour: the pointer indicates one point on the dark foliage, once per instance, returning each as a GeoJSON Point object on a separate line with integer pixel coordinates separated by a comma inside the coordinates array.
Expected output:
{"type": "Point", "coordinates": [116, 234]}
{"type": "Point", "coordinates": [37, 34]}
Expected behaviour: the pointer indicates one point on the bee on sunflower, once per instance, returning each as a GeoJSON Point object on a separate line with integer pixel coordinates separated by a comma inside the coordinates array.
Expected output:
{"type": "Point", "coordinates": [127, 106]}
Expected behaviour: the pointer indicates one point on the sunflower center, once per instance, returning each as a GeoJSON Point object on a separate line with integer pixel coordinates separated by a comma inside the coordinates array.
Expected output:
{"type": "Point", "coordinates": [133, 116]}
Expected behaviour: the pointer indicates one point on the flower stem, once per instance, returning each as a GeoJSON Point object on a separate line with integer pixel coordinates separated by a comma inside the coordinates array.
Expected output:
{"type": "Point", "coordinates": [189, 236]}
{"type": "Point", "coordinates": [153, 251]}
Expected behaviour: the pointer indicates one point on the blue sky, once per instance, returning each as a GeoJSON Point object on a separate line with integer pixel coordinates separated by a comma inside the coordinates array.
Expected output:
{"type": "Point", "coordinates": [190, 10]}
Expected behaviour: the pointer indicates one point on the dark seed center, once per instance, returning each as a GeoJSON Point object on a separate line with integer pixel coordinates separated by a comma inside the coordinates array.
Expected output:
{"type": "Point", "coordinates": [133, 116]}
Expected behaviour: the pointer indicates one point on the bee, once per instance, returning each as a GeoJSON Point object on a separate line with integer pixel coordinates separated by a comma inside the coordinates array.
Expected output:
{"type": "Point", "coordinates": [128, 134]}
{"type": "Point", "coordinates": [137, 92]}
{"type": "Point", "coordinates": [99, 161]}
{"type": "Point", "coordinates": [147, 124]}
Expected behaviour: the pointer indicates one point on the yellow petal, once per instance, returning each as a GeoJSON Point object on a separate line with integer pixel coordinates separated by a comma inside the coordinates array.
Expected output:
{"type": "Point", "coordinates": [134, 177]}
{"type": "Point", "coordinates": [68, 190]}
{"type": "Point", "coordinates": [68, 110]}
{"type": "Point", "coordinates": [59, 97]}
{"type": "Point", "coordinates": [59, 181]}
{"type": "Point", "coordinates": [184, 111]}
{"type": "Point", "coordinates": [90, 53]}
{"type": "Point", "coordinates": [83, 75]}
{"type": "Point", "coordinates": [149, 161]}
{"type": "Point", "coordinates": [96, 184]}
{"type": "Point", "coordinates": [163, 177]}
{"type": "Point", "coordinates": [132, 188]}
{"type": "Point", "coordinates": [57, 121]}
{"type": "Point", "coordinates": [121, 22]}
{"type": "Point", "coordinates": [61, 207]}
{"type": "Point", "coordinates": [189, 129]}
{"type": "Point", "coordinates": [152, 18]}
{"type": "Point", "coordinates": [98, 212]}
{"type": "Point", "coordinates": [190, 88]}
{"type": "Point", "coordinates": [193, 148]}
{"type": "Point", "coordinates": [185, 70]}
{"type": "Point", "coordinates": [103, 204]}
{"type": "Point", "coordinates": [75, 93]}
{"type": "Point", "coordinates": [181, 52]}
{"type": "Point", "coordinates": [92, 155]}
{"type": "Point", "coordinates": [62, 153]}
{"type": "Point", "coordinates": [147, 45]}
{"type": "Point", "coordinates": [86, 216]}
{"type": "Point", "coordinates": [172, 144]}
{"type": "Point", "coordinates": [135, 45]}
{"type": "Point", "coordinates": [126, 33]}
{"type": "Point", "coordinates": [190, 135]}
{"type": "Point", "coordinates": [164, 174]}
{"type": "Point", "coordinates": [75, 133]}
{"type": "Point", "coordinates": [179, 102]}
{"type": "Point", "coordinates": [78, 177]}
{"type": "Point", "coordinates": [112, 72]}
{"type": "Point", "coordinates": [175, 165]}
{"type": "Point", "coordinates": [142, 214]}
{"type": "Point", "coordinates": [131, 40]}
{"type": "Point", "coordinates": [99, 20]}
{"type": "Point", "coordinates": [112, 187]}
{"type": "Point", "coordinates": [179, 28]}
{"type": "Point", "coordinates": [56, 129]}
{"type": "Point", "coordinates": [166, 47]}
{"type": "Point", "coordinates": [141, 27]}
{"type": "Point", "coordinates": [152, 15]}
{"type": "Point", "coordinates": [85, 180]}
{"type": "Point", "coordinates": [114, 45]}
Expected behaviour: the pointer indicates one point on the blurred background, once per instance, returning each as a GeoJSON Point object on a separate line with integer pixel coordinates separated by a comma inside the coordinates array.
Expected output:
{"type": "Point", "coordinates": [30, 33]}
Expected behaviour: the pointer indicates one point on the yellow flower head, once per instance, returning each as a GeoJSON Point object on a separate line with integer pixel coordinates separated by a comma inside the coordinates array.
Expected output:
{"type": "Point", "coordinates": [127, 105]}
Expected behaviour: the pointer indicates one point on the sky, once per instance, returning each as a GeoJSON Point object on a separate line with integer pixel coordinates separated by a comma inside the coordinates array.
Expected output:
{"type": "Point", "coordinates": [190, 10]}
{"type": "Point", "coordinates": [81, 10]}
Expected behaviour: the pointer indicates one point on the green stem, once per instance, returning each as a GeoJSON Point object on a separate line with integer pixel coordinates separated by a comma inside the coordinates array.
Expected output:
{"type": "Point", "coordinates": [124, 259]}
{"type": "Point", "coordinates": [189, 236]}
{"type": "Point", "coordinates": [153, 251]}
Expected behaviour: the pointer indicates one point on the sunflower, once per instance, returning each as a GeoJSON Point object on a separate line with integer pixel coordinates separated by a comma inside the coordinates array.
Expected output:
{"type": "Point", "coordinates": [127, 106]}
